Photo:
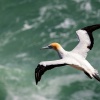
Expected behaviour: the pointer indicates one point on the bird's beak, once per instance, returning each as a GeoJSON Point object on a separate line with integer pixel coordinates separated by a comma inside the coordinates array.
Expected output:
{"type": "Point", "coordinates": [47, 47]}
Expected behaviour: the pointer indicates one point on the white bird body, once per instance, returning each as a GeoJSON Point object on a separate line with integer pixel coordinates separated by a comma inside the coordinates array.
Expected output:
{"type": "Point", "coordinates": [75, 58]}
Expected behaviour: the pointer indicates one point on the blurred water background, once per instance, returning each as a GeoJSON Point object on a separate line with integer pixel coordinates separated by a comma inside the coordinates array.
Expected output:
{"type": "Point", "coordinates": [26, 26]}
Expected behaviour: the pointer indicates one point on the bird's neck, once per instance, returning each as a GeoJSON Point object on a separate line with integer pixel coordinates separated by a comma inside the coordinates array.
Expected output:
{"type": "Point", "coordinates": [61, 52]}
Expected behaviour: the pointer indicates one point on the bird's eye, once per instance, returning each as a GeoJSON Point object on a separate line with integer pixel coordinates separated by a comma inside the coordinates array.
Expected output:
{"type": "Point", "coordinates": [50, 46]}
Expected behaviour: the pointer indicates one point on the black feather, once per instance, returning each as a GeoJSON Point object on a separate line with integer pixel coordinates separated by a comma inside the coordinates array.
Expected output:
{"type": "Point", "coordinates": [88, 74]}
{"type": "Point", "coordinates": [89, 30]}
{"type": "Point", "coordinates": [40, 70]}
{"type": "Point", "coordinates": [97, 77]}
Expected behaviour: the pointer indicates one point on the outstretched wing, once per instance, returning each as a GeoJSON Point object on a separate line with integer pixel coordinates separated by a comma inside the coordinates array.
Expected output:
{"type": "Point", "coordinates": [86, 40]}
{"type": "Point", "coordinates": [47, 65]}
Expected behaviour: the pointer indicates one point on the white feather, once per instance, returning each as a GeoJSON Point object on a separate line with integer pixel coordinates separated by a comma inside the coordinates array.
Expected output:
{"type": "Point", "coordinates": [84, 42]}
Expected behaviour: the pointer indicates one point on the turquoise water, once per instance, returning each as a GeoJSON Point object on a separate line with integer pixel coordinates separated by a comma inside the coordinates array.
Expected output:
{"type": "Point", "coordinates": [26, 26]}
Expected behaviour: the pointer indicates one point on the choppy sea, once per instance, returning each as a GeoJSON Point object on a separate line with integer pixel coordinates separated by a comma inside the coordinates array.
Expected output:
{"type": "Point", "coordinates": [26, 26]}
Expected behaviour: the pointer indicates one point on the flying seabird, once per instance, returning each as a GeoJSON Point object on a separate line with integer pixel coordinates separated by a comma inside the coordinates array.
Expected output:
{"type": "Point", "coordinates": [75, 58]}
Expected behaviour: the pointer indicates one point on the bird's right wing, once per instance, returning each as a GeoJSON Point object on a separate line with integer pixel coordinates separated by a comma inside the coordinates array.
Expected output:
{"type": "Point", "coordinates": [48, 65]}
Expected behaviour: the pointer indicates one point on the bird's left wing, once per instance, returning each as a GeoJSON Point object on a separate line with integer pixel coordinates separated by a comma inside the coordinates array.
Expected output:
{"type": "Point", "coordinates": [86, 40]}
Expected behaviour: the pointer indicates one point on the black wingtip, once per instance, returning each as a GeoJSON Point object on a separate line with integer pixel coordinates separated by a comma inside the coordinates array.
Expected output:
{"type": "Point", "coordinates": [97, 77]}
{"type": "Point", "coordinates": [36, 83]}
{"type": "Point", "coordinates": [91, 28]}
{"type": "Point", "coordinates": [36, 76]}
{"type": "Point", "coordinates": [39, 71]}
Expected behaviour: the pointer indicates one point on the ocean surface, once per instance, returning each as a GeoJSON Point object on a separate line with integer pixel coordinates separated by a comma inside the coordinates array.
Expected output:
{"type": "Point", "coordinates": [26, 26]}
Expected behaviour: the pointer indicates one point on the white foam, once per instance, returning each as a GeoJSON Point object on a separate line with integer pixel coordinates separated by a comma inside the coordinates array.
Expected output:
{"type": "Point", "coordinates": [44, 9]}
{"type": "Point", "coordinates": [26, 26]}
{"type": "Point", "coordinates": [24, 94]}
{"type": "Point", "coordinates": [2, 67]}
{"type": "Point", "coordinates": [83, 95]}
{"type": "Point", "coordinates": [38, 97]}
{"type": "Point", "coordinates": [6, 38]}
{"type": "Point", "coordinates": [78, 1]}
{"type": "Point", "coordinates": [47, 91]}
{"type": "Point", "coordinates": [67, 80]}
{"type": "Point", "coordinates": [14, 78]}
{"type": "Point", "coordinates": [66, 24]}
{"type": "Point", "coordinates": [21, 55]}
{"type": "Point", "coordinates": [44, 13]}
{"type": "Point", "coordinates": [54, 85]}
{"type": "Point", "coordinates": [86, 6]}
{"type": "Point", "coordinates": [53, 35]}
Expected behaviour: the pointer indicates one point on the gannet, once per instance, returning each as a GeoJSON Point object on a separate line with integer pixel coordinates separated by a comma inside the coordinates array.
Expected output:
{"type": "Point", "coordinates": [75, 58]}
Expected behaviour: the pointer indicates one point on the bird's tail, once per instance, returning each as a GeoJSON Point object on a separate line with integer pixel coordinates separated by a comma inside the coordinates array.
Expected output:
{"type": "Point", "coordinates": [96, 75]}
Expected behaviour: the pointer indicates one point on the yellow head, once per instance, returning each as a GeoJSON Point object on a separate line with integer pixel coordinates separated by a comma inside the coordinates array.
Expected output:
{"type": "Point", "coordinates": [55, 46]}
